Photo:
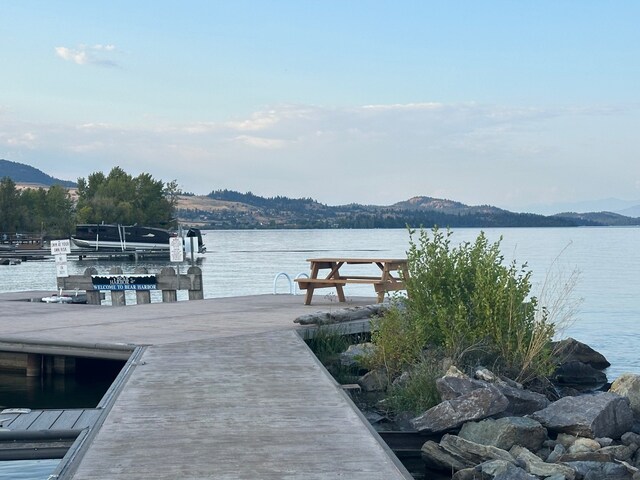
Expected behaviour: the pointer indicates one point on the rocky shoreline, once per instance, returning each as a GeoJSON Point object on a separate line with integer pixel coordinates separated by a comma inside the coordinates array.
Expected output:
{"type": "Point", "coordinates": [576, 427]}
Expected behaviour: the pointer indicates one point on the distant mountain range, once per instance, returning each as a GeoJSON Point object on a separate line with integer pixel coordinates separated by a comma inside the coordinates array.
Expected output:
{"type": "Point", "coordinates": [228, 209]}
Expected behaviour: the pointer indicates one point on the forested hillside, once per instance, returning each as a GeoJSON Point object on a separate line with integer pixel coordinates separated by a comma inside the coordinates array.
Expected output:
{"type": "Point", "coordinates": [21, 173]}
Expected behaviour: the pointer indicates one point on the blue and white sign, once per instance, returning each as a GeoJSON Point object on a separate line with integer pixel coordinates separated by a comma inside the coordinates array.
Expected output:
{"type": "Point", "coordinates": [124, 282]}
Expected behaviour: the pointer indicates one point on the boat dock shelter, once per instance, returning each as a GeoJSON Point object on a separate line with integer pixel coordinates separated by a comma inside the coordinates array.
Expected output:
{"type": "Point", "coordinates": [213, 389]}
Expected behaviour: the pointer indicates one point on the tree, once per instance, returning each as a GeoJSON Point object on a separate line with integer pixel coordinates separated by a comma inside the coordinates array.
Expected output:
{"type": "Point", "coordinates": [9, 204]}
{"type": "Point", "coordinates": [120, 198]}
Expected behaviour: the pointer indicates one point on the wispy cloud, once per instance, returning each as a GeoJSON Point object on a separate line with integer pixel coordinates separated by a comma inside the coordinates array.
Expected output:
{"type": "Point", "coordinates": [470, 152]}
{"type": "Point", "coordinates": [98, 54]}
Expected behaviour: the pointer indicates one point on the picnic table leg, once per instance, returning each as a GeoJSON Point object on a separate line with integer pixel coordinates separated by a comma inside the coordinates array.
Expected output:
{"type": "Point", "coordinates": [308, 296]}
{"type": "Point", "coordinates": [340, 292]}
{"type": "Point", "coordinates": [314, 275]}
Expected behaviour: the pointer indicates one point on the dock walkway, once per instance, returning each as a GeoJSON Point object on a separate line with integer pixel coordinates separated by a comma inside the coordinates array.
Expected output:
{"type": "Point", "coordinates": [224, 389]}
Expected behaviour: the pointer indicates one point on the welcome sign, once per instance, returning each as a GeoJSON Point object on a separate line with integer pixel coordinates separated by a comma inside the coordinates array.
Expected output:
{"type": "Point", "coordinates": [124, 282]}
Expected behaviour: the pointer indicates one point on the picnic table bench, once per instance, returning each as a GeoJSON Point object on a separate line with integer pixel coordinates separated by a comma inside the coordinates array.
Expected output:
{"type": "Point", "coordinates": [383, 283]}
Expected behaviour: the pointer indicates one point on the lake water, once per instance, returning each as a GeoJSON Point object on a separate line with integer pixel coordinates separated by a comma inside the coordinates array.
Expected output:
{"type": "Point", "coordinates": [246, 263]}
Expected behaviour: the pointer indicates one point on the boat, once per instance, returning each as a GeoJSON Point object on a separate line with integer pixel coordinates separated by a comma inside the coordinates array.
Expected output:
{"type": "Point", "coordinates": [128, 238]}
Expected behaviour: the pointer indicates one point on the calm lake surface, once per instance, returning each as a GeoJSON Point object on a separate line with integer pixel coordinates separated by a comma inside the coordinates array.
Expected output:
{"type": "Point", "coordinates": [246, 262]}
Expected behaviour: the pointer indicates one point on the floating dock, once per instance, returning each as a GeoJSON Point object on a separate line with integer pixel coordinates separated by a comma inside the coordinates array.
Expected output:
{"type": "Point", "coordinates": [216, 389]}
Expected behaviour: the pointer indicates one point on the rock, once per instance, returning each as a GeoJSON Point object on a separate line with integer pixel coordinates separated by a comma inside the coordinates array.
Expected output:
{"type": "Point", "coordinates": [503, 470]}
{"type": "Point", "coordinates": [584, 445]}
{"type": "Point", "coordinates": [571, 349]}
{"type": "Point", "coordinates": [342, 315]}
{"type": "Point", "coordinates": [557, 452]}
{"type": "Point", "coordinates": [628, 385]}
{"type": "Point", "coordinates": [606, 441]}
{"type": "Point", "coordinates": [355, 352]}
{"type": "Point", "coordinates": [455, 453]}
{"type": "Point", "coordinates": [506, 432]}
{"type": "Point", "coordinates": [454, 386]}
{"type": "Point", "coordinates": [453, 371]}
{"type": "Point", "coordinates": [586, 457]}
{"type": "Point", "coordinates": [579, 374]}
{"type": "Point", "coordinates": [438, 458]}
{"type": "Point", "coordinates": [374, 381]}
{"type": "Point", "coordinates": [566, 440]}
{"type": "Point", "coordinates": [597, 415]}
{"type": "Point", "coordinates": [533, 465]}
{"type": "Point", "coordinates": [486, 375]}
{"type": "Point", "coordinates": [629, 438]}
{"type": "Point", "coordinates": [475, 405]}
{"type": "Point", "coordinates": [470, 474]}
{"type": "Point", "coordinates": [522, 402]}
{"type": "Point", "coordinates": [622, 453]}
{"type": "Point", "coordinates": [600, 471]}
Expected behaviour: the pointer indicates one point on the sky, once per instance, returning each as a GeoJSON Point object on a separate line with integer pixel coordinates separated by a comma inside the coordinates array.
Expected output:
{"type": "Point", "coordinates": [517, 104]}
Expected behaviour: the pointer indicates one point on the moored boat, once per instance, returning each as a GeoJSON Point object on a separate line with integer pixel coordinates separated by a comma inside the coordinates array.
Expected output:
{"type": "Point", "coordinates": [126, 238]}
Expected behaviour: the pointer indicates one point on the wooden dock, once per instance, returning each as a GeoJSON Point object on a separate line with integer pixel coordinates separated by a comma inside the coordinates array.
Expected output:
{"type": "Point", "coordinates": [44, 434]}
{"type": "Point", "coordinates": [53, 419]}
{"type": "Point", "coordinates": [223, 389]}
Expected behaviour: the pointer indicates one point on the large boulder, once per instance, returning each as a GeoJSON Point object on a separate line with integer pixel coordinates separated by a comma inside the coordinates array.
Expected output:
{"type": "Point", "coordinates": [592, 416]}
{"type": "Point", "coordinates": [454, 386]}
{"type": "Point", "coordinates": [579, 375]}
{"type": "Point", "coordinates": [521, 402]}
{"type": "Point", "coordinates": [374, 381]}
{"type": "Point", "coordinates": [570, 349]}
{"type": "Point", "coordinates": [506, 432]}
{"type": "Point", "coordinates": [454, 453]}
{"type": "Point", "coordinates": [628, 385]}
{"type": "Point", "coordinates": [600, 470]}
{"type": "Point", "coordinates": [475, 405]}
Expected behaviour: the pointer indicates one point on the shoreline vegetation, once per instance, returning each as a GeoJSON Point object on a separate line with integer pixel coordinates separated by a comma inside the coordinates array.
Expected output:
{"type": "Point", "coordinates": [31, 201]}
{"type": "Point", "coordinates": [468, 359]}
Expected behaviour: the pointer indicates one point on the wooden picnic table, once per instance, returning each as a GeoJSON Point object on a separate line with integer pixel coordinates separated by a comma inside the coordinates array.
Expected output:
{"type": "Point", "coordinates": [383, 283]}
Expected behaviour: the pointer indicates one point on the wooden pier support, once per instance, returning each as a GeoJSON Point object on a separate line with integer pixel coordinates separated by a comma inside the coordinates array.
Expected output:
{"type": "Point", "coordinates": [34, 365]}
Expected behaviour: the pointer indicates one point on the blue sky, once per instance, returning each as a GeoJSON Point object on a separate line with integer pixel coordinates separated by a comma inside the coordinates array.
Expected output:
{"type": "Point", "coordinates": [495, 102]}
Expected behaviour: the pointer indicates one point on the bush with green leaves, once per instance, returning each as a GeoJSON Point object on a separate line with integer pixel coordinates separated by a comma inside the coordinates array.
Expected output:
{"type": "Point", "coordinates": [465, 301]}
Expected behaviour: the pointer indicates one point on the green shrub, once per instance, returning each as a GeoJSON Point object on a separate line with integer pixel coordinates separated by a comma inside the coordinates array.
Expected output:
{"type": "Point", "coordinates": [468, 304]}
{"type": "Point", "coordinates": [465, 299]}
{"type": "Point", "coordinates": [416, 390]}
{"type": "Point", "coordinates": [398, 341]}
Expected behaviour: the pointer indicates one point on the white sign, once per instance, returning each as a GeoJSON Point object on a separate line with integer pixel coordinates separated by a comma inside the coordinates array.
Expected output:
{"type": "Point", "coordinates": [176, 252]}
{"type": "Point", "coordinates": [61, 270]}
{"type": "Point", "coordinates": [61, 266]}
{"type": "Point", "coordinates": [60, 247]}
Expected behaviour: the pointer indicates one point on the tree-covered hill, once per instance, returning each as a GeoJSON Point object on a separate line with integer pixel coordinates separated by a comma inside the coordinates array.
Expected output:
{"type": "Point", "coordinates": [21, 173]}
{"type": "Point", "coordinates": [229, 209]}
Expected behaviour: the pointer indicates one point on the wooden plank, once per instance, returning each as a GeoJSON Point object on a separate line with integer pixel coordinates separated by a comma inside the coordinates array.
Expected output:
{"type": "Point", "coordinates": [88, 418]}
{"type": "Point", "coordinates": [45, 419]}
{"type": "Point", "coordinates": [67, 419]}
{"type": "Point", "coordinates": [24, 420]}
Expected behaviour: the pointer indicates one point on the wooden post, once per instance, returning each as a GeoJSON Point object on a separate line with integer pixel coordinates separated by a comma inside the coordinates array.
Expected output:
{"type": "Point", "coordinates": [169, 295]}
{"type": "Point", "coordinates": [93, 296]}
{"type": "Point", "coordinates": [34, 365]}
{"type": "Point", "coordinates": [117, 296]}
{"type": "Point", "coordinates": [195, 290]}
{"type": "Point", "coordinates": [142, 296]}
{"type": "Point", "coordinates": [63, 365]}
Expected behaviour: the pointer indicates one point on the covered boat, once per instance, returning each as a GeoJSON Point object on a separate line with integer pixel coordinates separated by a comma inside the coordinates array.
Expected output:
{"type": "Point", "coordinates": [123, 238]}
